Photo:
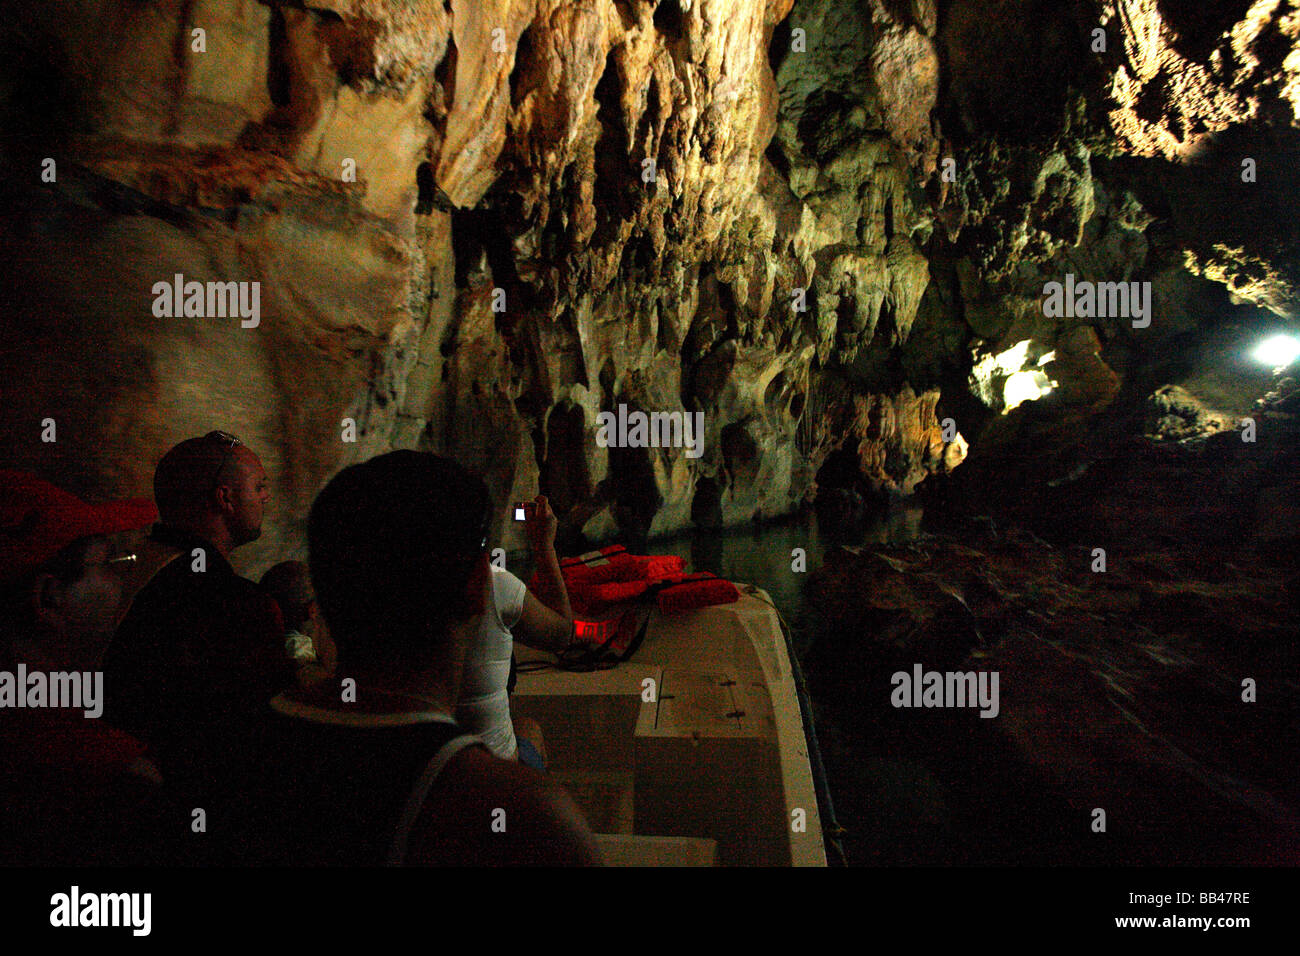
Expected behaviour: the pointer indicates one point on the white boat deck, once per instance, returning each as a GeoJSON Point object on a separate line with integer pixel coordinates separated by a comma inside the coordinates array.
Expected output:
{"type": "Point", "coordinates": [713, 770]}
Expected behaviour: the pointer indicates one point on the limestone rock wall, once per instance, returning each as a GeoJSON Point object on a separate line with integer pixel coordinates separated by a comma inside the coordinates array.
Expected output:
{"type": "Point", "coordinates": [1136, 141]}
{"type": "Point", "coordinates": [476, 224]}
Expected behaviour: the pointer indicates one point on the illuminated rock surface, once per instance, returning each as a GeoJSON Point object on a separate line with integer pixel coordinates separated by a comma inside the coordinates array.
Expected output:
{"type": "Point", "coordinates": [824, 224]}
{"type": "Point", "coordinates": [476, 225]}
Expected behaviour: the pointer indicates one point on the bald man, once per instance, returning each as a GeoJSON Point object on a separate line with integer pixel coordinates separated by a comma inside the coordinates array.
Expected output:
{"type": "Point", "coordinates": [200, 652]}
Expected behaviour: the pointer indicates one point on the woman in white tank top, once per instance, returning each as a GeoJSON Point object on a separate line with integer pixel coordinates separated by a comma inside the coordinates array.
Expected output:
{"type": "Point", "coordinates": [484, 707]}
{"type": "Point", "coordinates": [544, 621]}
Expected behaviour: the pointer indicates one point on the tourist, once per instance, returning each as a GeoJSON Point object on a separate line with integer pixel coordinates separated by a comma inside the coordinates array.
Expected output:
{"type": "Point", "coordinates": [543, 621]}
{"type": "Point", "coordinates": [306, 642]}
{"type": "Point", "coordinates": [200, 652]}
{"type": "Point", "coordinates": [372, 768]}
{"type": "Point", "coordinates": [75, 790]}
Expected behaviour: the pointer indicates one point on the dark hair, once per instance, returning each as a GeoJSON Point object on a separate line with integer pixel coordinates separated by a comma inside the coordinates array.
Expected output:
{"type": "Point", "coordinates": [392, 544]}
{"type": "Point", "coordinates": [289, 585]}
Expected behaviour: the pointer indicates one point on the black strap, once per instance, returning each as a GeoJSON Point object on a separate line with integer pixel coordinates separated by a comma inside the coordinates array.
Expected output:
{"type": "Point", "coordinates": [614, 551]}
{"type": "Point", "coordinates": [693, 578]}
{"type": "Point", "coordinates": [602, 657]}
{"type": "Point", "coordinates": [638, 637]}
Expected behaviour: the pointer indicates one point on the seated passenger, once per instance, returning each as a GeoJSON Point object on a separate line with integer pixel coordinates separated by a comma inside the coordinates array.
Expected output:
{"type": "Point", "coordinates": [305, 639]}
{"type": "Point", "coordinates": [74, 789]}
{"type": "Point", "coordinates": [544, 621]}
{"type": "Point", "coordinates": [373, 769]}
{"type": "Point", "coordinates": [199, 655]}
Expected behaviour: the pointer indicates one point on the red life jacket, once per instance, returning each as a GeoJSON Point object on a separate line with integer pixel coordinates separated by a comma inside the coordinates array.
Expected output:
{"type": "Point", "coordinates": [611, 575]}
{"type": "Point", "coordinates": [603, 586]}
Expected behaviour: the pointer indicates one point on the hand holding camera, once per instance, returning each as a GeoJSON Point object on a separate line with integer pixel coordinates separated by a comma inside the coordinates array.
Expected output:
{"type": "Point", "coordinates": [539, 521]}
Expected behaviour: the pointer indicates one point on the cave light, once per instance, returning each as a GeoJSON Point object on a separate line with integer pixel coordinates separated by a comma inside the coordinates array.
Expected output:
{"type": "Point", "coordinates": [1025, 387]}
{"type": "Point", "coordinates": [1013, 359]}
{"type": "Point", "coordinates": [1279, 351]}
{"type": "Point", "coordinates": [1018, 383]}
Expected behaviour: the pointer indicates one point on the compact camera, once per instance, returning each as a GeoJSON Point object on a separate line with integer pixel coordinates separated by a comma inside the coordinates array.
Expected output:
{"type": "Point", "coordinates": [525, 510]}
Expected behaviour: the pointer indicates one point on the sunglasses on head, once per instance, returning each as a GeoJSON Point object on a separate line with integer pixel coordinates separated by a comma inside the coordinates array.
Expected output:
{"type": "Point", "coordinates": [229, 442]}
{"type": "Point", "coordinates": [73, 561]}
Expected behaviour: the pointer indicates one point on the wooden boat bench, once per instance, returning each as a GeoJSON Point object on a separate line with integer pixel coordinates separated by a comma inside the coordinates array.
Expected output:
{"type": "Point", "coordinates": [698, 739]}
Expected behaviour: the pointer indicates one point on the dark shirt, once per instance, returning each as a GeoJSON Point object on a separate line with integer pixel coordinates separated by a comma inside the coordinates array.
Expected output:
{"type": "Point", "coordinates": [331, 794]}
{"type": "Point", "coordinates": [69, 794]}
{"type": "Point", "coordinates": [192, 670]}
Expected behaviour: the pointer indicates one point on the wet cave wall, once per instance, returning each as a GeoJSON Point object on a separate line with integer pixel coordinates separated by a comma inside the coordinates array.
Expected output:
{"type": "Point", "coordinates": [477, 224]}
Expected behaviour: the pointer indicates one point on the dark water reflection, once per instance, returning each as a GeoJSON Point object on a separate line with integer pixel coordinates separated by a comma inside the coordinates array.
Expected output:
{"type": "Point", "coordinates": [764, 555]}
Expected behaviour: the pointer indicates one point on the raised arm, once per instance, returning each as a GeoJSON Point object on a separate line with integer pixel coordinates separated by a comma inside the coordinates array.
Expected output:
{"type": "Point", "coordinates": [549, 584]}
{"type": "Point", "coordinates": [542, 628]}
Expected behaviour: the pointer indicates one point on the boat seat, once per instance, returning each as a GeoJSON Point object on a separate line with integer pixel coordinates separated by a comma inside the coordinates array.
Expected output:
{"type": "Point", "coordinates": [606, 798]}
{"type": "Point", "coordinates": [694, 705]}
{"type": "Point", "coordinates": [706, 762]}
{"type": "Point", "coordinates": [715, 754]}
{"type": "Point", "coordinates": [625, 849]}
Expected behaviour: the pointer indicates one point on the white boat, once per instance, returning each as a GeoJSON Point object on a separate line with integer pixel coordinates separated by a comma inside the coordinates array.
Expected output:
{"type": "Point", "coordinates": [693, 752]}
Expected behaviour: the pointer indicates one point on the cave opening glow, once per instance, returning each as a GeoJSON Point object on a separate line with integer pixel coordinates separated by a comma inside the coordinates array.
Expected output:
{"type": "Point", "coordinates": [1025, 387]}
{"type": "Point", "coordinates": [1277, 351]}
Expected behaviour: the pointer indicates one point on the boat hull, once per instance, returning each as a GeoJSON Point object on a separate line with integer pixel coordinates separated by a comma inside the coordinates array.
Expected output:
{"type": "Point", "coordinates": [693, 751]}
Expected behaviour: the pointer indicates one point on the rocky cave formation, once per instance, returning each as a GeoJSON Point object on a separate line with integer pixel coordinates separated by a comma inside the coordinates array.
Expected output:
{"type": "Point", "coordinates": [476, 226]}
{"type": "Point", "coordinates": [825, 224]}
